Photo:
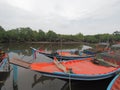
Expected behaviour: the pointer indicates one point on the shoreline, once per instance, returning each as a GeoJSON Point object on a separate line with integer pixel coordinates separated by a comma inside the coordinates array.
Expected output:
{"type": "Point", "coordinates": [57, 42]}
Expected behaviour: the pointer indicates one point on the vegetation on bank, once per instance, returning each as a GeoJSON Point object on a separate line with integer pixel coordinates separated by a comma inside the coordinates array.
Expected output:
{"type": "Point", "coordinates": [24, 34]}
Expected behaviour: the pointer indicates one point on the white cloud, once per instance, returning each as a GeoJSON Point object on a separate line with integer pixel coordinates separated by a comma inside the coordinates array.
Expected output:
{"type": "Point", "coordinates": [23, 4]}
{"type": "Point", "coordinates": [62, 16]}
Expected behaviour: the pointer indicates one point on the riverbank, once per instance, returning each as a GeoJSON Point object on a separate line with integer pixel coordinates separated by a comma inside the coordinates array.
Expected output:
{"type": "Point", "coordinates": [57, 42]}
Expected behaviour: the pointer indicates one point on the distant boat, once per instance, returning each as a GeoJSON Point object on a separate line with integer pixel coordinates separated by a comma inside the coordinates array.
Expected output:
{"type": "Point", "coordinates": [115, 49]}
{"type": "Point", "coordinates": [113, 55]}
{"type": "Point", "coordinates": [115, 83]}
{"type": "Point", "coordinates": [63, 55]}
{"type": "Point", "coordinates": [116, 46]}
{"type": "Point", "coordinates": [99, 48]}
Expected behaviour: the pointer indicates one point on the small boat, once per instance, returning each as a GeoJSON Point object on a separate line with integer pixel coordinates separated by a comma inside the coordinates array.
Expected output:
{"type": "Point", "coordinates": [113, 55]}
{"type": "Point", "coordinates": [110, 57]}
{"type": "Point", "coordinates": [99, 48]}
{"type": "Point", "coordinates": [4, 63]}
{"type": "Point", "coordinates": [115, 83]}
{"type": "Point", "coordinates": [102, 47]}
{"type": "Point", "coordinates": [63, 55]}
{"type": "Point", "coordinates": [83, 69]}
{"type": "Point", "coordinates": [115, 49]}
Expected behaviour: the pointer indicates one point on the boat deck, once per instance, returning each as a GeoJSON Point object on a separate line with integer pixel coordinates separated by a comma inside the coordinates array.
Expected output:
{"type": "Point", "coordinates": [77, 66]}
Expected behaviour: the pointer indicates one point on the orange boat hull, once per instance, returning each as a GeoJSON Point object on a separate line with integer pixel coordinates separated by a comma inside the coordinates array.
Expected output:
{"type": "Point", "coordinates": [115, 84]}
{"type": "Point", "coordinates": [80, 68]}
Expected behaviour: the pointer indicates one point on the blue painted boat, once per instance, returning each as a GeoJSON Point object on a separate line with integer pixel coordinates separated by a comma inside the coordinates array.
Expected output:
{"type": "Point", "coordinates": [63, 55]}
{"type": "Point", "coordinates": [4, 63]}
{"type": "Point", "coordinates": [115, 83]}
{"type": "Point", "coordinates": [90, 52]}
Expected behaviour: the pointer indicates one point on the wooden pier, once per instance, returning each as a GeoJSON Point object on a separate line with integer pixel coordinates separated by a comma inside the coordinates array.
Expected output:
{"type": "Point", "coordinates": [20, 62]}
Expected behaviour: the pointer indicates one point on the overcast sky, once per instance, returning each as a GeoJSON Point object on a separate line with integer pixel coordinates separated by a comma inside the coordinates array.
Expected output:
{"type": "Point", "coordinates": [62, 16]}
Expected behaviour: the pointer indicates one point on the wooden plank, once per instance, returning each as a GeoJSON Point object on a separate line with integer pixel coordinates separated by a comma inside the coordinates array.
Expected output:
{"type": "Point", "coordinates": [60, 65]}
{"type": "Point", "coordinates": [20, 62]}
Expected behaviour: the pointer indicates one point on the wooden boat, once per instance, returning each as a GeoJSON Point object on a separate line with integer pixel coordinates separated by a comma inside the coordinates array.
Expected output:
{"type": "Point", "coordinates": [99, 48]}
{"type": "Point", "coordinates": [4, 63]}
{"type": "Point", "coordinates": [86, 69]}
{"type": "Point", "coordinates": [112, 55]}
{"type": "Point", "coordinates": [83, 69]}
{"type": "Point", "coordinates": [63, 55]}
{"type": "Point", "coordinates": [115, 83]}
{"type": "Point", "coordinates": [102, 47]}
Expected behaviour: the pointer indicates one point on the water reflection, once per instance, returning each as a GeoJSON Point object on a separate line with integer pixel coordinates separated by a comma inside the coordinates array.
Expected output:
{"type": "Point", "coordinates": [30, 80]}
{"type": "Point", "coordinates": [40, 79]}
{"type": "Point", "coordinates": [25, 48]}
{"type": "Point", "coordinates": [15, 86]}
{"type": "Point", "coordinates": [3, 78]}
{"type": "Point", "coordinates": [87, 85]}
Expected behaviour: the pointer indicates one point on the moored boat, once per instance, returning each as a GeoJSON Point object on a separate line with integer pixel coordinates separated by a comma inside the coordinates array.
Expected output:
{"type": "Point", "coordinates": [99, 48]}
{"type": "Point", "coordinates": [63, 55]}
{"type": "Point", "coordinates": [83, 69]}
{"type": "Point", "coordinates": [113, 55]}
{"type": "Point", "coordinates": [4, 63]}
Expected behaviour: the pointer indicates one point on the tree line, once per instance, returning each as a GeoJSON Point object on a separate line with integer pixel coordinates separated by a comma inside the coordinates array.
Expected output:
{"type": "Point", "coordinates": [26, 34]}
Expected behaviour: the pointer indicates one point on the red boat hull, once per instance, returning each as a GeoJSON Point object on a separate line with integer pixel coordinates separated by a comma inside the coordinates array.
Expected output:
{"type": "Point", "coordinates": [81, 69]}
{"type": "Point", "coordinates": [115, 83]}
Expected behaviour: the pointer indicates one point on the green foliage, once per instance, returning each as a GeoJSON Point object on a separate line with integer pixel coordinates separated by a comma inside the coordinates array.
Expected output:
{"type": "Point", "coordinates": [116, 36]}
{"type": "Point", "coordinates": [66, 38]}
{"type": "Point", "coordinates": [116, 33]}
{"type": "Point", "coordinates": [90, 39]}
{"type": "Point", "coordinates": [41, 35]}
{"type": "Point", "coordinates": [51, 36]}
{"type": "Point", "coordinates": [26, 34]}
{"type": "Point", "coordinates": [79, 37]}
{"type": "Point", "coordinates": [2, 34]}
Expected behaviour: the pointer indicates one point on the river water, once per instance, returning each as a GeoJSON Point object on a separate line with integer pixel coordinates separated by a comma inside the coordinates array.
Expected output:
{"type": "Point", "coordinates": [31, 80]}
